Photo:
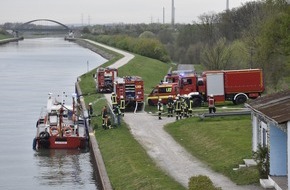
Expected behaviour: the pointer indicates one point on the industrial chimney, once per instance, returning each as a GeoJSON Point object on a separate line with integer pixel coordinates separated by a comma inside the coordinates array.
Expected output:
{"type": "Point", "coordinates": [172, 14]}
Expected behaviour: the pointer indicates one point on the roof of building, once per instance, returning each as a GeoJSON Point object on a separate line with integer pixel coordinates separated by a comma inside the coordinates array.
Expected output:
{"type": "Point", "coordinates": [274, 106]}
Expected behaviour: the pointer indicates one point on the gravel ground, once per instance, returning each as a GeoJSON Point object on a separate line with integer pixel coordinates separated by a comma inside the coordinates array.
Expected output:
{"type": "Point", "coordinates": [164, 150]}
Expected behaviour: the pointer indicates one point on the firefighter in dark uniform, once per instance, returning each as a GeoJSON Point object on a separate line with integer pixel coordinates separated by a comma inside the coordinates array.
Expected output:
{"type": "Point", "coordinates": [185, 105]}
{"type": "Point", "coordinates": [122, 105]}
{"type": "Point", "coordinates": [159, 108]}
{"type": "Point", "coordinates": [105, 117]}
{"type": "Point", "coordinates": [190, 107]}
{"type": "Point", "coordinates": [118, 113]}
{"type": "Point", "coordinates": [90, 111]}
{"type": "Point", "coordinates": [114, 100]}
{"type": "Point", "coordinates": [178, 108]}
{"type": "Point", "coordinates": [170, 107]}
{"type": "Point", "coordinates": [211, 104]}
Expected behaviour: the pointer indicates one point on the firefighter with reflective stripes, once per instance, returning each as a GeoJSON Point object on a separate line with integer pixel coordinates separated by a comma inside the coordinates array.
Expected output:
{"type": "Point", "coordinates": [185, 105]}
{"type": "Point", "coordinates": [122, 105]}
{"type": "Point", "coordinates": [114, 100]}
{"type": "Point", "coordinates": [190, 107]}
{"type": "Point", "coordinates": [178, 108]}
{"type": "Point", "coordinates": [170, 107]}
{"type": "Point", "coordinates": [159, 108]}
{"type": "Point", "coordinates": [211, 104]}
{"type": "Point", "coordinates": [118, 113]}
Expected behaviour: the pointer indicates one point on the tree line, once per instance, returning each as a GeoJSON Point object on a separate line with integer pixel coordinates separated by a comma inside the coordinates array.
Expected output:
{"type": "Point", "coordinates": [255, 35]}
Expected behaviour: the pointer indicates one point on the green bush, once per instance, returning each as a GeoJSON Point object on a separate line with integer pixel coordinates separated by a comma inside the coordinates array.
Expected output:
{"type": "Point", "coordinates": [149, 47]}
{"type": "Point", "coordinates": [262, 158]}
{"type": "Point", "coordinates": [201, 183]}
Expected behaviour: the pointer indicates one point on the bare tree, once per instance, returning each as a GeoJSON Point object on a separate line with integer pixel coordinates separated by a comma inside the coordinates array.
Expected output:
{"type": "Point", "coordinates": [217, 56]}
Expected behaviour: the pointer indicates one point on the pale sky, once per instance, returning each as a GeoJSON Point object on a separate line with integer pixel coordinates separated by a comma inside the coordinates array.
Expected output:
{"type": "Point", "coordinates": [110, 11]}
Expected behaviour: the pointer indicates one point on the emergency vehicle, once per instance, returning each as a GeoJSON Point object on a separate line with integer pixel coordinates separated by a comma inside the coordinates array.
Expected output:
{"type": "Point", "coordinates": [131, 88]}
{"type": "Point", "coordinates": [225, 85]}
{"type": "Point", "coordinates": [105, 78]}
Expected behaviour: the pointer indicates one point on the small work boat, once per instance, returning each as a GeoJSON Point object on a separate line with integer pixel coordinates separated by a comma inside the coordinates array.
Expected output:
{"type": "Point", "coordinates": [61, 126]}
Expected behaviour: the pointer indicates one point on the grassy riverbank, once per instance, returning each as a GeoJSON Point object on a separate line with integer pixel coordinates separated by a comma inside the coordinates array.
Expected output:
{"type": "Point", "coordinates": [126, 161]}
{"type": "Point", "coordinates": [5, 36]}
{"type": "Point", "coordinates": [220, 143]}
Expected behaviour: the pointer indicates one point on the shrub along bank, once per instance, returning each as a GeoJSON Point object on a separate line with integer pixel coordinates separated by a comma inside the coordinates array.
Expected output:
{"type": "Point", "coordinates": [149, 47]}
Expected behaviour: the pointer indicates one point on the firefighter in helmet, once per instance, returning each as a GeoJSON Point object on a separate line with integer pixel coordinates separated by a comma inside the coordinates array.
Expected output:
{"type": "Point", "coordinates": [90, 111]}
{"type": "Point", "coordinates": [118, 113]}
{"type": "Point", "coordinates": [185, 105]}
{"type": "Point", "coordinates": [177, 108]}
{"type": "Point", "coordinates": [122, 105]}
{"type": "Point", "coordinates": [190, 107]}
{"type": "Point", "coordinates": [211, 104]}
{"type": "Point", "coordinates": [159, 108]}
{"type": "Point", "coordinates": [114, 100]}
{"type": "Point", "coordinates": [105, 117]}
{"type": "Point", "coordinates": [170, 106]}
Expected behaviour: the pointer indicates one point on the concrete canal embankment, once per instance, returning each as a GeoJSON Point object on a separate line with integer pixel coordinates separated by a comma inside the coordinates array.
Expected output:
{"type": "Point", "coordinates": [102, 176]}
{"type": "Point", "coordinates": [5, 41]}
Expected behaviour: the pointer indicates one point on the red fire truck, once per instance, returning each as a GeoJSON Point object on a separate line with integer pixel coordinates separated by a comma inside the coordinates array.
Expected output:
{"type": "Point", "coordinates": [225, 85]}
{"type": "Point", "coordinates": [131, 88]}
{"type": "Point", "coordinates": [105, 78]}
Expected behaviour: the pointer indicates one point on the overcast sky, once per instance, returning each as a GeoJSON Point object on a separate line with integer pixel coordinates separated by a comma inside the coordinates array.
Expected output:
{"type": "Point", "coordinates": [110, 11]}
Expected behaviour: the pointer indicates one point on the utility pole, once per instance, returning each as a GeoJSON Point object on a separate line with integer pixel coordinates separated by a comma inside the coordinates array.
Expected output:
{"type": "Point", "coordinates": [89, 20]}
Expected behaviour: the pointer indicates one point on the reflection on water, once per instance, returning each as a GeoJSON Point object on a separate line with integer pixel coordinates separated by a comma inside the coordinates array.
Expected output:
{"type": "Point", "coordinates": [62, 167]}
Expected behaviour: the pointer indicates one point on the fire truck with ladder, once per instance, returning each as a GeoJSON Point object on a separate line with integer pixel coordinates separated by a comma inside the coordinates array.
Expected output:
{"type": "Point", "coordinates": [225, 85]}
{"type": "Point", "coordinates": [105, 78]}
{"type": "Point", "coordinates": [131, 88]}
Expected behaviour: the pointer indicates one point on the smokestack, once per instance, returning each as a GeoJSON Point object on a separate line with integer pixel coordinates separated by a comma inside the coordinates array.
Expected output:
{"type": "Point", "coordinates": [227, 6]}
{"type": "Point", "coordinates": [172, 13]}
{"type": "Point", "coordinates": [163, 15]}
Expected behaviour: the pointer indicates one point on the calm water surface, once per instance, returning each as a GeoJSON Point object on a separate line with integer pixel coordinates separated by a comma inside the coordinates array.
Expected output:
{"type": "Point", "coordinates": [29, 70]}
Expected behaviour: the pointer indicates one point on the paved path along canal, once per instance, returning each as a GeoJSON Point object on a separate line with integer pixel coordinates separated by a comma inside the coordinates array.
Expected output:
{"type": "Point", "coordinates": [164, 150]}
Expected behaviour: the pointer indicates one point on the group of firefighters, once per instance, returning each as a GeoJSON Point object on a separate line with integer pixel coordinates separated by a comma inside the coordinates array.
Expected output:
{"type": "Point", "coordinates": [182, 106]}
{"type": "Point", "coordinates": [118, 110]}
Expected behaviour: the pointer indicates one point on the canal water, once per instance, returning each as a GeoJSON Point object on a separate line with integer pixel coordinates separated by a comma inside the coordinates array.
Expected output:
{"type": "Point", "coordinates": [29, 70]}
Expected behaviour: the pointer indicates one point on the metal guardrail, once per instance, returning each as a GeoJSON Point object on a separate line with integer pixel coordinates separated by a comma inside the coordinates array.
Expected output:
{"type": "Point", "coordinates": [219, 114]}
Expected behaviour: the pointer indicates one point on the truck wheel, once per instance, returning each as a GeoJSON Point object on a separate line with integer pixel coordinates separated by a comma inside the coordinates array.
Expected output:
{"type": "Point", "coordinates": [196, 102]}
{"type": "Point", "coordinates": [240, 99]}
{"type": "Point", "coordinates": [150, 102]}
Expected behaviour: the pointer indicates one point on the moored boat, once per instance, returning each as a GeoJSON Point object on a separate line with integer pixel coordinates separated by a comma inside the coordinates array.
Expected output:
{"type": "Point", "coordinates": [61, 126]}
